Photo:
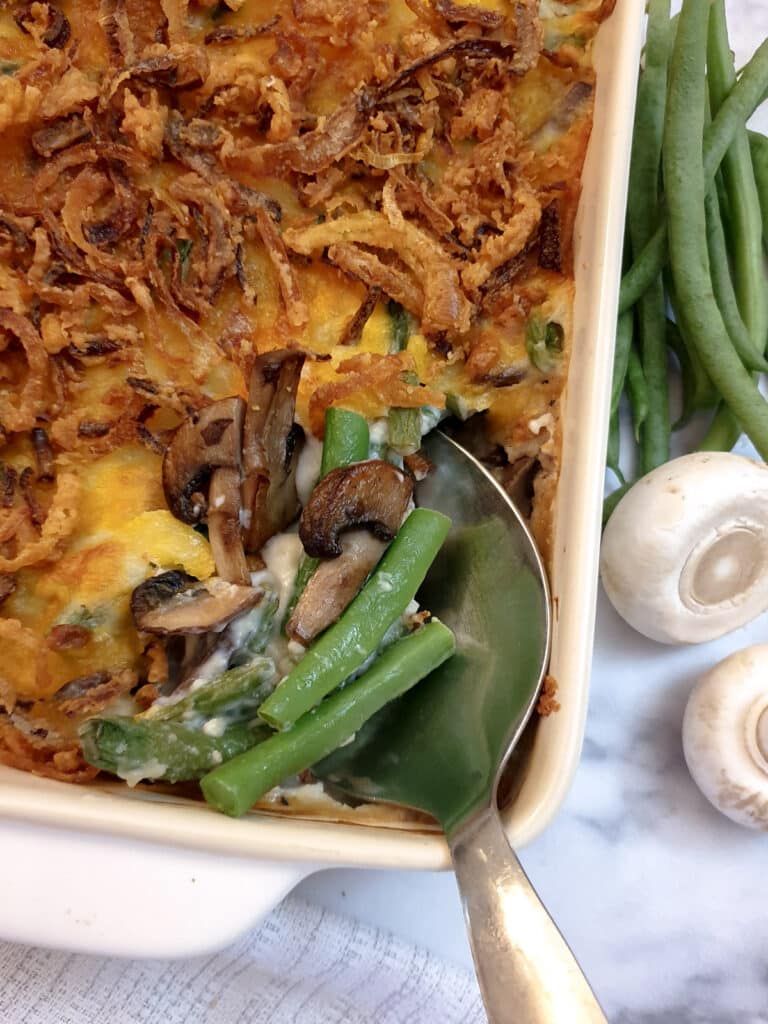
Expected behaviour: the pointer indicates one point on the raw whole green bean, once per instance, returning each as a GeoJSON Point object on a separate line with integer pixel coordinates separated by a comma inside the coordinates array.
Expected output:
{"type": "Point", "coordinates": [343, 648]}
{"type": "Point", "coordinates": [723, 433]}
{"type": "Point", "coordinates": [739, 181]}
{"type": "Point", "coordinates": [613, 451]}
{"type": "Point", "coordinates": [637, 391]}
{"type": "Point", "coordinates": [136, 749]}
{"type": "Point", "coordinates": [758, 145]}
{"type": "Point", "coordinates": [722, 283]}
{"type": "Point", "coordinates": [642, 215]}
{"type": "Point", "coordinates": [736, 110]}
{"type": "Point", "coordinates": [686, 186]}
{"type": "Point", "coordinates": [235, 786]}
{"type": "Point", "coordinates": [698, 391]}
{"type": "Point", "coordinates": [624, 331]}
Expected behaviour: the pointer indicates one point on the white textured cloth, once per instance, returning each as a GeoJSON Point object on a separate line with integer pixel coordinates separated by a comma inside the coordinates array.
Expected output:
{"type": "Point", "coordinates": [302, 965]}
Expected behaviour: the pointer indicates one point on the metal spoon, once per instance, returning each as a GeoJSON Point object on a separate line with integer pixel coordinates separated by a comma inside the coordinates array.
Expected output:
{"type": "Point", "coordinates": [442, 748]}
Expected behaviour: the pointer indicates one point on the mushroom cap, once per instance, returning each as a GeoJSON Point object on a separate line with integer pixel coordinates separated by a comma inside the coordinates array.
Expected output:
{"type": "Point", "coordinates": [372, 494]}
{"type": "Point", "coordinates": [209, 439]}
{"type": "Point", "coordinates": [174, 602]}
{"type": "Point", "coordinates": [725, 736]}
{"type": "Point", "coordinates": [684, 556]}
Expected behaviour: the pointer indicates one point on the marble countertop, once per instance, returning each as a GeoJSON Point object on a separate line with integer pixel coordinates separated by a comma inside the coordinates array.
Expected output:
{"type": "Point", "coordinates": [662, 899]}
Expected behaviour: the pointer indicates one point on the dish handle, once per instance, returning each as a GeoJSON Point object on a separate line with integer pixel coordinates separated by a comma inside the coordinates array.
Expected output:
{"type": "Point", "coordinates": [110, 896]}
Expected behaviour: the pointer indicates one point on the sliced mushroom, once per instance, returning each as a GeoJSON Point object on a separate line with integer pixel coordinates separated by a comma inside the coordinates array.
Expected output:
{"type": "Point", "coordinates": [174, 602]}
{"type": "Point", "coordinates": [224, 531]}
{"type": "Point", "coordinates": [333, 585]}
{"type": "Point", "coordinates": [209, 440]}
{"type": "Point", "coordinates": [371, 494]}
{"type": "Point", "coordinates": [271, 446]}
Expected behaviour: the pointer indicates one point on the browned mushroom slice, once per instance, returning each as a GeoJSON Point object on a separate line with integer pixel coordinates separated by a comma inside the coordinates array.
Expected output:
{"type": "Point", "coordinates": [174, 602]}
{"type": "Point", "coordinates": [224, 530]}
{"type": "Point", "coordinates": [371, 494]}
{"type": "Point", "coordinates": [333, 585]}
{"type": "Point", "coordinates": [209, 440]}
{"type": "Point", "coordinates": [271, 446]}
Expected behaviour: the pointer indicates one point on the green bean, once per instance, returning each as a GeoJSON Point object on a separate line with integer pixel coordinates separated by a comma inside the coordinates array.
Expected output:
{"type": "Point", "coordinates": [722, 284]}
{"type": "Point", "coordinates": [739, 180]}
{"type": "Point", "coordinates": [642, 214]}
{"type": "Point", "coordinates": [758, 145]}
{"type": "Point", "coordinates": [624, 331]}
{"type": "Point", "coordinates": [698, 391]}
{"type": "Point", "coordinates": [234, 696]}
{"type": "Point", "coordinates": [686, 185]}
{"type": "Point", "coordinates": [637, 392]}
{"type": "Point", "coordinates": [346, 440]}
{"type": "Point", "coordinates": [404, 427]}
{"type": "Point", "coordinates": [401, 326]}
{"type": "Point", "coordinates": [136, 749]}
{"type": "Point", "coordinates": [613, 499]}
{"type": "Point", "coordinates": [723, 433]}
{"type": "Point", "coordinates": [236, 785]}
{"type": "Point", "coordinates": [613, 451]}
{"type": "Point", "coordinates": [742, 101]}
{"type": "Point", "coordinates": [345, 645]}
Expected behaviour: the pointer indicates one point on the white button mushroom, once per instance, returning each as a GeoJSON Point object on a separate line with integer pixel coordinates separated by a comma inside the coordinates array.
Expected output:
{"type": "Point", "coordinates": [685, 554]}
{"type": "Point", "coordinates": [725, 736]}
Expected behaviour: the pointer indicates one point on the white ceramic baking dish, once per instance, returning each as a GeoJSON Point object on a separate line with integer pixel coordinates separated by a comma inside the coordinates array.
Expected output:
{"type": "Point", "coordinates": [180, 864]}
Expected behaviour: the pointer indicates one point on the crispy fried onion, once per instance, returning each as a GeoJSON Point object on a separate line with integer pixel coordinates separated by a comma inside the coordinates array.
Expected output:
{"type": "Point", "coordinates": [381, 381]}
{"type": "Point", "coordinates": [20, 414]}
{"type": "Point", "coordinates": [89, 694]}
{"type": "Point", "coordinates": [497, 250]}
{"type": "Point", "coordinates": [445, 307]}
{"type": "Point", "coordinates": [59, 524]}
{"type": "Point", "coordinates": [45, 755]}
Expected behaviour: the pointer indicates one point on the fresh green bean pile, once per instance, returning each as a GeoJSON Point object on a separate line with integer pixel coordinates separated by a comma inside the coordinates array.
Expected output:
{"type": "Point", "coordinates": [697, 221]}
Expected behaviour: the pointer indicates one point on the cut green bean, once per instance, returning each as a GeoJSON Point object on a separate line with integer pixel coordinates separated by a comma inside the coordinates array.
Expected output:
{"type": "Point", "coordinates": [136, 749]}
{"type": "Point", "coordinates": [400, 325]}
{"type": "Point", "coordinates": [343, 648]}
{"type": "Point", "coordinates": [346, 440]}
{"type": "Point", "coordinates": [758, 145]}
{"type": "Point", "coordinates": [235, 786]}
{"type": "Point", "coordinates": [686, 185]}
{"type": "Point", "coordinates": [739, 180]}
{"type": "Point", "coordinates": [637, 392]}
{"type": "Point", "coordinates": [404, 427]}
{"type": "Point", "coordinates": [234, 696]}
{"type": "Point", "coordinates": [742, 101]}
{"type": "Point", "coordinates": [624, 331]}
{"type": "Point", "coordinates": [722, 284]}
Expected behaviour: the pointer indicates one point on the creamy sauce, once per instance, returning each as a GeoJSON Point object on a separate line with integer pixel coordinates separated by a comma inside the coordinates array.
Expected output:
{"type": "Point", "coordinates": [282, 554]}
{"type": "Point", "coordinates": [215, 727]}
{"type": "Point", "coordinates": [308, 468]}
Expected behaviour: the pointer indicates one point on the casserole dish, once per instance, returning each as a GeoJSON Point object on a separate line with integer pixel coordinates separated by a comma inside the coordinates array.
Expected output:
{"type": "Point", "coordinates": [551, 749]}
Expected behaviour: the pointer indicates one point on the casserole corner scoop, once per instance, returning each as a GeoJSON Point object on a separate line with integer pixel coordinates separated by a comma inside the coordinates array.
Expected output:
{"type": "Point", "coordinates": [443, 746]}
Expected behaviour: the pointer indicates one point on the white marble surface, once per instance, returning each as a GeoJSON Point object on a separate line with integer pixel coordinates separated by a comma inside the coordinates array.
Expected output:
{"type": "Point", "coordinates": [663, 900]}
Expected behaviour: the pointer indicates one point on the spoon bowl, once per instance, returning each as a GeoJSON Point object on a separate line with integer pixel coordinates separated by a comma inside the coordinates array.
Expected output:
{"type": "Point", "coordinates": [443, 747]}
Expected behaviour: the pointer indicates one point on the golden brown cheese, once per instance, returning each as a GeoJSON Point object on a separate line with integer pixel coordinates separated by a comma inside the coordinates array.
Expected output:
{"type": "Point", "coordinates": [186, 185]}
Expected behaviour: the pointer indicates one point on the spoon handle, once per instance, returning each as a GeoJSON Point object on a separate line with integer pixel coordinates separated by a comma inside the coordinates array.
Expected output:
{"type": "Point", "coordinates": [526, 971]}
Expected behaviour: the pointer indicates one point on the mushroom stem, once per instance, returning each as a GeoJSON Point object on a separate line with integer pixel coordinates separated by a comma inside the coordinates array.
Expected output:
{"type": "Point", "coordinates": [224, 531]}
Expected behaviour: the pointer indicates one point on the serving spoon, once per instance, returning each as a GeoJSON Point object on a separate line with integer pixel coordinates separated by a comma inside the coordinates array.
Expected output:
{"type": "Point", "coordinates": [442, 748]}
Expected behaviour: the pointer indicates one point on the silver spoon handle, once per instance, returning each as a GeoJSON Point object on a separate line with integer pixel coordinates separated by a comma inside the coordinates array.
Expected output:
{"type": "Point", "coordinates": [526, 971]}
